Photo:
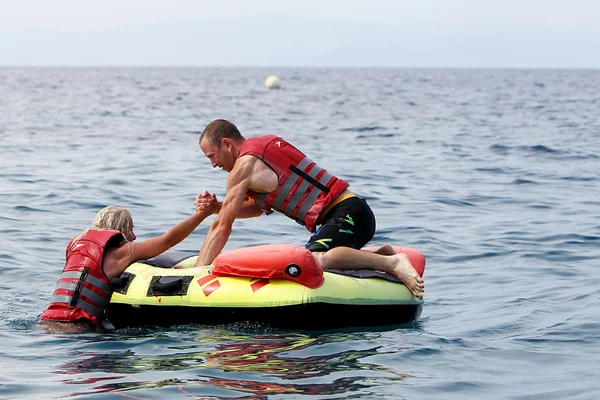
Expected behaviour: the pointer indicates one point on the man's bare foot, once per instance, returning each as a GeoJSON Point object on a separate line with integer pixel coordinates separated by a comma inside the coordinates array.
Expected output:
{"type": "Point", "coordinates": [404, 271]}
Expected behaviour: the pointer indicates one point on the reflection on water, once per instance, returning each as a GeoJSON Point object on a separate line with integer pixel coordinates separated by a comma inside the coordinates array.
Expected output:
{"type": "Point", "coordinates": [264, 364]}
{"type": "Point", "coordinates": [342, 385]}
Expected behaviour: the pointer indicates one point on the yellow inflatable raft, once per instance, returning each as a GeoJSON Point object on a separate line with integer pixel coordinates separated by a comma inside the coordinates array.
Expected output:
{"type": "Point", "coordinates": [147, 294]}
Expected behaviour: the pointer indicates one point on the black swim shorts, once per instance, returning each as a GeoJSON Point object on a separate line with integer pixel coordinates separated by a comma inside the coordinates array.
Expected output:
{"type": "Point", "coordinates": [350, 223]}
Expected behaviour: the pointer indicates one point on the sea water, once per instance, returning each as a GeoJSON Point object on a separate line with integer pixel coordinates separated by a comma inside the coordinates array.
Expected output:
{"type": "Point", "coordinates": [493, 174]}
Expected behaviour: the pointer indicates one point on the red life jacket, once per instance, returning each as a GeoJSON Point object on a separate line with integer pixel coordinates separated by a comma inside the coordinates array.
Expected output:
{"type": "Point", "coordinates": [83, 291]}
{"type": "Point", "coordinates": [303, 190]}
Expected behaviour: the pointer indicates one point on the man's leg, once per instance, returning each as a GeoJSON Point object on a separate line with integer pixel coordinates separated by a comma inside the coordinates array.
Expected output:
{"type": "Point", "coordinates": [349, 227]}
{"type": "Point", "coordinates": [397, 265]}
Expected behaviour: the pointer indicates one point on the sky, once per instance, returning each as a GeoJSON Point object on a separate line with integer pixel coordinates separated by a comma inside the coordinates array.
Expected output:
{"type": "Point", "coordinates": [307, 33]}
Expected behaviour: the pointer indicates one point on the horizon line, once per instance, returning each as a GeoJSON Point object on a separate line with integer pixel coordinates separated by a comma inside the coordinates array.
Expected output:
{"type": "Point", "coordinates": [300, 66]}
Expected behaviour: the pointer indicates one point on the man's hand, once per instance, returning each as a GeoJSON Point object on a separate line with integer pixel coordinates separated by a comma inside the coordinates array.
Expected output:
{"type": "Point", "coordinates": [206, 201]}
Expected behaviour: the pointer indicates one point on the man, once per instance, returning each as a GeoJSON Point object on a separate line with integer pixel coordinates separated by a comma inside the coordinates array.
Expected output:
{"type": "Point", "coordinates": [267, 173]}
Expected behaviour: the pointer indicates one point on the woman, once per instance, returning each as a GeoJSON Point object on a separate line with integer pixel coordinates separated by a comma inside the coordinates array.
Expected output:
{"type": "Point", "coordinates": [100, 254]}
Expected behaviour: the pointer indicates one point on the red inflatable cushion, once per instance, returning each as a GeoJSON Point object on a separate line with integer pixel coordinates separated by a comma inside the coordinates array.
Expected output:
{"type": "Point", "coordinates": [272, 261]}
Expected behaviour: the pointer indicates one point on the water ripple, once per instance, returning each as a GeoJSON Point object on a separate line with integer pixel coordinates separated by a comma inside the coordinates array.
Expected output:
{"type": "Point", "coordinates": [492, 174]}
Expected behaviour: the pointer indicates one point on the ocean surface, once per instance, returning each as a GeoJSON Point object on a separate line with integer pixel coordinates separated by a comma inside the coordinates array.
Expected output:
{"type": "Point", "coordinates": [493, 174]}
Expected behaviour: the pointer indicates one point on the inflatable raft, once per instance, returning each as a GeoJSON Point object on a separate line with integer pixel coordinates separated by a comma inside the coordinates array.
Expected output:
{"type": "Point", "coordinates": [279, 286]}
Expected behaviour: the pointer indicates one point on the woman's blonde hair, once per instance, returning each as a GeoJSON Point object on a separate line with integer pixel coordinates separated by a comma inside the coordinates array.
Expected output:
{"type": "Point", "coordinates": [115, 218]}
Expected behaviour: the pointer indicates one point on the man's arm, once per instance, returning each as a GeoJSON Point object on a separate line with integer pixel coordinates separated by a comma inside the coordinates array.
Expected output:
{"type": "Point", "coordinates": [248, 210]}
{"type": "Point", "coordinates": [237, 185]}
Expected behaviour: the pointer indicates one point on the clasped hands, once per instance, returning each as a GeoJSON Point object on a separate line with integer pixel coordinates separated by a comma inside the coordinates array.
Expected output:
{"type": "Point", "coordinates": [207, 201]}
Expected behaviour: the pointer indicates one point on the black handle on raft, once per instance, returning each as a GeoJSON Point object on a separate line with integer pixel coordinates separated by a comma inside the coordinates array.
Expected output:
{"type": "Point", "coordinates": [169, 285]}
{"type": "Point", "coordinates": [121, 283]}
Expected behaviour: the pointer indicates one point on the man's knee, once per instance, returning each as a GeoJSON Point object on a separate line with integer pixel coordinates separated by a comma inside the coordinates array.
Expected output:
{"type": "Point", "coordinates": [320, 257]}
